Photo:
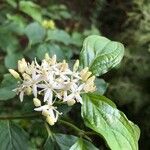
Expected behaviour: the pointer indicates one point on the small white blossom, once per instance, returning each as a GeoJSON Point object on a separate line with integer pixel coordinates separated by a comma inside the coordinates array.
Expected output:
{"type": "Point", "coordinates": [75, 93]}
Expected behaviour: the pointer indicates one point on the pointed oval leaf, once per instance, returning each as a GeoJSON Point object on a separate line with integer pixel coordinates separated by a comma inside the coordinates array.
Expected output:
{"type": "Point", "coordinates": [60, 142]}
{"type": "Point", "coordinates": [59, 36]}
{"type": "Point", "coordinates": [12, 137]}
{"type": "Point", "coordinates": [100, 54]}
{"type": "Point", "coordinates": [108, 121]}
{"type": "Point", "coordinates": [35, 33]}
{"type": "Point", "coordinates": [83, 145]}
{"type": "Point", "coordinates": [7, 85]}
{"type": "Point", "coordinates": [31, 9]}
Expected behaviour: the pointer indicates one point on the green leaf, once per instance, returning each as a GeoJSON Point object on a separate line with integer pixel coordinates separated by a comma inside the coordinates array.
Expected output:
{"type": "Point", "coordinates": [12, 137]}
{"type": "Point", "coordinates": [6, 87]}
{"type": "Point", "coordinates": [59, 36]}
{"type": "Point", "coordinates": [5, 38]}
{"type": "Point", "coordinates": [100, 54]}
{"type": "Point", "coordinates": [12, 3]}
{"type": "Point", "coordinates": [101, 86]}
{"type": "Point", "coordinates": [50, 144]}
{"type": "Point", "coordinates": [17, 24]}
{"type": "Point", "coordinates": [60, 142]}
{"type": "Point", "coordinates": [31, 9]}
{"type": "Point", "coordinates": [11, 60]}
{"type": "Point", "coordinates": [51, 49]}
{"type": "Point", "coordinates": [35, 33]}
{"type": "Point", "coordinates": [101, 115]}
{"type": "Point", "coordinates": [65, 141]}
{"type": "Point", "coordinates": [77, 39]}
{"type": "Point", "coordinates": [83, 145]}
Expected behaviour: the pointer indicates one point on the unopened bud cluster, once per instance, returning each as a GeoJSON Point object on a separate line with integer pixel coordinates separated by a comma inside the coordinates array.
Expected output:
{"type": "Point", "coordinates": [51, 81]}
{"type": "Point", "coordinates": [48, 24]}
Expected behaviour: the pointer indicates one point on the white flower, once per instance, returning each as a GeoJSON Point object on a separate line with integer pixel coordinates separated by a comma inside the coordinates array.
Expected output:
{"type": "Point", "coordinates": [52, 80]}
{"type": "Point", "coordinates": [49, 112]}
{"type": "Point", "coordinates": [75, 93]}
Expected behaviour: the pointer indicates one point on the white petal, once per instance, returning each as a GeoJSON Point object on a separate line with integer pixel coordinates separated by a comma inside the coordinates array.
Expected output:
{"type": "Point", "coordinates": [50, 98]}
{"type": "Point", "coordinates": [58, 86]}
{"type": "Point", "coordinates": [80, 87]}
{"type": "Point", "coordinates": [65, 94]}
{"type": "Point", "coordinates": [45, 107]}
{"type": "Point", "coordinates": [71, 96]}
{"type": "Point", "coordinates": [59, 95]}
{"type": "Point", "coordinates": [33, 74]}
{"type": "Point", "coordinates": [46, 95]}
{"type": "Point", "coordinates": [21, 96]}
{"type": "Point", "coordinates": [73, 87]}
{"type": "Point", "coordinates": [78, 98]}
{"type": "Point", "coordinates": [51, 113]}
{"type": "Point", "coordinates": [34, 88]}
{"type": "Point", "coordinates": [43, 86]}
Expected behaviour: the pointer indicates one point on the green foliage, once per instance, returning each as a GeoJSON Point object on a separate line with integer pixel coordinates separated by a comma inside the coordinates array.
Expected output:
{"type": "Point", "coordinates": [101, 115]}
{"type": "Point", "coordinates": [101, 86]}
{"type": "Point", "coordinates": [31, 9]}
{"type": "Point", "coordinates": [11, 60]}
{"type": "Point", "coordinates": [12, 137]}
{"type": "Point", "coordinates": [100, 54]}
{"type": "Point", "coordinates": [59, 36]}
{"type": "Point", "coordinates": [60, 142]}
{"type": "Point", "coordinates": [35, 33]}
{"type": "Point", "coordinates": [51, 49]}
{"type": "Point", "coordinates": [83, 145]}
{"type": "Point", "coordinates": [58, 12]}
{"type": "Point", "coordinates": [6, 87]}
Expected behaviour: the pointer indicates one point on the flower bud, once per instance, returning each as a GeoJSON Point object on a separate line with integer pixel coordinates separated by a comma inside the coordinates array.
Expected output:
{"type": "Point", "coordinates": [91, 79]}
{"type": "Point", "coordinates": [76, 65]}
{"type": "Point", "coordinates": [50, 120]}
{"type": "Point", "coordinates": [53, 61]}
{"type": "Point", "coordinates": [22, 65]}
{"type": "Point", "coordinates": [26, 76]}
{"type": "Point", "coordinates": [48, 24]}
{"type": "Point", "coordinates": [51, 24]}
{"type": "Point", "coordinates": [14, 73]}
{"type": "Point", "coordinates": [89, 87]}
{"type": "Point", "coordinates": [71, 102]}
{"type": "Point", "coordinates": [44, 23]}
{"type": "Point", "coordinates": [86, 76]}
{"type": "Point", "coordinates": [36, 102]}
{"type": "Point", "coordinates": [45, 113]}
{"type": "Point", "coordinates": [84, 71]}
{"type": "Point", "coordinates": [64, 65]}
{"type": "Point", "coordinates": [28, 91]}
{"type": "Point", "coordinates": [47, 58]}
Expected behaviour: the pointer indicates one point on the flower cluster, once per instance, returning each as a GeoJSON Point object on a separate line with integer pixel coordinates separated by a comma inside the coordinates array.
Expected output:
{"type": "Point", "coordinates": [51, 81]}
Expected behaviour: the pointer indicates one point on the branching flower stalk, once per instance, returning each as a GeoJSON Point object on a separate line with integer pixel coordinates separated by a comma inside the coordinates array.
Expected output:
{"type": "Point", "coordinates": [51, 81]}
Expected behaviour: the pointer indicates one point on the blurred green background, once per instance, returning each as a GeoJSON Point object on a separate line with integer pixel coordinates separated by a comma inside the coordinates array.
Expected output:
{"type": "Point", "coordinates": [31, 28]}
